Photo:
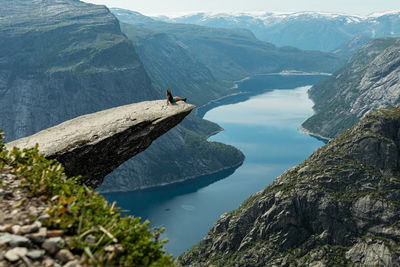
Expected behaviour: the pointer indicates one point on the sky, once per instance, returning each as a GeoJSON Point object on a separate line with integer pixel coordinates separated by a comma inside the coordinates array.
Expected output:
{"type": "Point", "coordinates": [180, 7]}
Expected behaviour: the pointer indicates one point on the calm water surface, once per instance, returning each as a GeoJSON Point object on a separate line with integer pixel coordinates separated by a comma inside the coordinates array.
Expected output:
{"type": "Point", "coordinates": [266, 129]}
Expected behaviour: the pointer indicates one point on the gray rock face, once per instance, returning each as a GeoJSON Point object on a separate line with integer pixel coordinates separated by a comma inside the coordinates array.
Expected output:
{"type": "Point", "coordinates": [94, 145]}
{"type": "Point", "coordinates": [369, 81]}
{"type": "Point", "coordinates": [77, 62]}
{"type": "Point", "coordinates": [339, 207]}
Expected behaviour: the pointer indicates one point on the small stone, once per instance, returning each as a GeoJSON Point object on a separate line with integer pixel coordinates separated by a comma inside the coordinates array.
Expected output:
{"type": "Point", "coordinates": [14, 212]}
{"type": "Point", "coordinates": [19, 241]}
{"type": "Point", "coordinates": [48, 263]}
{"type": "Point", "coordinates": [6, 228]}
{"type": "Point", "coordinates": [15, 240]}
{"type": "Point", "coordinates": [54, 233]}
{"type": "Point", "coordinates": [26, 261]}
{"type": "Point", "coordinates": [109, 248]}
{"type": "Point", "coordinates": [53, 244]}
{"type": "Point", "coordinates": [15, 254]}
{"type": "Point", "coordinates": [7, 195]}
{"type": "Point", "coordinates": [64, 255]}
{"type": "Point", "coordinates": [33, 228]}
{"type": "Point", "coordinates": [43, 217]}
{"type": "Point", "coordinates": [38, 237]}
{"type": "Point", "coordinates": [36, 254]}
{"type": "Point", "coordinates": [73, 263]}
{"type": "Point", "coordinates": [16, 229]}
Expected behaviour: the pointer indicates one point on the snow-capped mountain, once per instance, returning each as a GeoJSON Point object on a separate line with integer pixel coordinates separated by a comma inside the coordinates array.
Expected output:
{"type": "Point", "coordinates": [305, 30]}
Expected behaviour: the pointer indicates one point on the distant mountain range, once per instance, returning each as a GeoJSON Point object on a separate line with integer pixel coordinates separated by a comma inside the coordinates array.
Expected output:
{"type": "Point", "coordinates": [230, 54]}
{"type": "Point", "coordinates": [304, 30]}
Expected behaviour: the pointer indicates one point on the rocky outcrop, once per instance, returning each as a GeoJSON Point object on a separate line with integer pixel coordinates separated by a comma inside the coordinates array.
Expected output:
{"type": "Point", "coordinates": [94, 145]}
{"type": "Point", "coordinates": [339, 207]}
{"type": "Point", "coordinates": [369, 81]}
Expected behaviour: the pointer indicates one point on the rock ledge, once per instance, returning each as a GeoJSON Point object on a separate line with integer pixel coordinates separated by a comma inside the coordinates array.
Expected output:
{"type": "Point", "coordinates": [94, 145]}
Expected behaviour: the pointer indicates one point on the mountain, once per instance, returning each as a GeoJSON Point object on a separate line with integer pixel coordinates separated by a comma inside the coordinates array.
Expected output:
{"type": "Point", "coordinates": [171, 64]}
{"type": "Point", "coordinates": [233, 54]}
{"type": "Point", "coordinates": [370, 80]}
{"type": "Point", "coordinates": [338, 208]}
{"type": "Point", "coordinates": [304, 30]}
{"type": "Point", "coordinates": [60, 59]}
{"type": "Point", "coordinates": [349, 48]}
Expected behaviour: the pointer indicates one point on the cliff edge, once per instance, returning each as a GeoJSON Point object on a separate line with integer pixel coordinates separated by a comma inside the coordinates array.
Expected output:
{"type": "Point", "coordinates": [94, 145]}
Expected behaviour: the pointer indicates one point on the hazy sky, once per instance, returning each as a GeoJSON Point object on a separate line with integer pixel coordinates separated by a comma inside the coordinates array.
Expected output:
{"type": "Point", "coordinates": [174, 7]}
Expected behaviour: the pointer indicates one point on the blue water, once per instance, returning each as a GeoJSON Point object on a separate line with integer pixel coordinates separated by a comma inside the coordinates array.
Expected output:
{"type": "Point", "coordinates": [266, 129]}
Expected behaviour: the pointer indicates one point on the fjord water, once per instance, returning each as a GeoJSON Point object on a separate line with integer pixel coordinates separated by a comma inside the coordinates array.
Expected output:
{"type": "Point", "coordinates": [265, 128]}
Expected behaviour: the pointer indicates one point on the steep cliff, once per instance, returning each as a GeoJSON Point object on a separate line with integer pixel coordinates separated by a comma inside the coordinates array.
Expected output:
{"type": "Point", "coordinates": [94, 145]}
{"type": "Point", "coordinates": [62, 59]}
{"type": "Point", "coordinates": [370, 80]}
{"type": "Point", "coordinates": [339, 207]}
{"type": "Point", "coordinates": [170, 63]}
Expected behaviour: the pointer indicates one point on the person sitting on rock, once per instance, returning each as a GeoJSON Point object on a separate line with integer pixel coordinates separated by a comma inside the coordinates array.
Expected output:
{"type": "Point", "coordinates": [173, 99]}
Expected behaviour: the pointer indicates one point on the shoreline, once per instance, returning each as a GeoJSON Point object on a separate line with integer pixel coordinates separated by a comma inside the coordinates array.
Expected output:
{"type": "Point", "coordinates": [305, 131]}
{"type": "Point", "coordinates": [235, 86]}
{"type": "Point", "coordinates": [216, 100]}
{"type": "Point", "coordinates": [188, 178]}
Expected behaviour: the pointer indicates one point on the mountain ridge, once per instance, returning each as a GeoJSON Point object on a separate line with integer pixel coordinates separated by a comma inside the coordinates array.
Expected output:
{"type": "Point", "coordinates": [320, 31]}
{"type": "Point", "coordinates": [332, 209]}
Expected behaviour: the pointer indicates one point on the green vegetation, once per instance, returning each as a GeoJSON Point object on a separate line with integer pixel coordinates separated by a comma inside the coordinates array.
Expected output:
{"type": "Point", "coordinates": [80, 211]}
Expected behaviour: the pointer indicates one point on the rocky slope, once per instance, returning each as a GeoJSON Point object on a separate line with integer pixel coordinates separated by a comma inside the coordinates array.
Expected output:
{"type": "Point", "coordinates": [340, 207]}
{"type": "Point", "coordinates": [66, 58]}
{"type": "Point", "coordinates": [48, 219]}
{"type": "Point", "coordinates": [370, 80]}
{"type": "Point", "coordinates": [25, 241]}
{"type": "Point", "coordinates": [94, 145]}
{"type": "Point", "coordinates": [318, 31]}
